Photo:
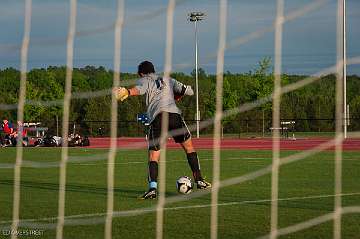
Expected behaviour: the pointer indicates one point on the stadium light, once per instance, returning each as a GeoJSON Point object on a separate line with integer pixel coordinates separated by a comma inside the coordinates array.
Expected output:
{"type": "Point", "coordinates": [195, 17]}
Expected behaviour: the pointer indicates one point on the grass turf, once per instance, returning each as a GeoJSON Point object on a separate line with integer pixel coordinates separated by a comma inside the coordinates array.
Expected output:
{"type": "Point", "coordinates": [244, 210]}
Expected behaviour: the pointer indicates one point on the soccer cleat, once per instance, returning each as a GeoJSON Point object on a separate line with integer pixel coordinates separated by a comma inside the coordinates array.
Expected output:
{"type": "Point", "coordinates": [151, 194]}
{"type": "Point", "coordinates": [202, 184]}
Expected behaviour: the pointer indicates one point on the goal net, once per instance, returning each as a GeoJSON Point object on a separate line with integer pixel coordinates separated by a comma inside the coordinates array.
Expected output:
{"type": "Point", "coordinates": [58, 223]}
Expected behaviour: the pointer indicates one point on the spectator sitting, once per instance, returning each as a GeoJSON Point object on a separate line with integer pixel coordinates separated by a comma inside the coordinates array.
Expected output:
{"type": "Point", "coordinates": [8, 131]}
{"type": "Point", "coordinates": [20, 128]}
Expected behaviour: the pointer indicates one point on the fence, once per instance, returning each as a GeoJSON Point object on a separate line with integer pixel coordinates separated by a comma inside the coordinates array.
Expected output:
{"type": "Point", "coordinates": [230, 128]}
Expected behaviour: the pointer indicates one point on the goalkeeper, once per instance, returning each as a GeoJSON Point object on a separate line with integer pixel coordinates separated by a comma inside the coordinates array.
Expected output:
{"type": "Point", "coordinates": [161, 94]}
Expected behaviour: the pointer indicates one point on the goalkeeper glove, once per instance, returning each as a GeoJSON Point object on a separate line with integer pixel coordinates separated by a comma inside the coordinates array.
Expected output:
{"type": "Point", "coordinates": [121, 93]}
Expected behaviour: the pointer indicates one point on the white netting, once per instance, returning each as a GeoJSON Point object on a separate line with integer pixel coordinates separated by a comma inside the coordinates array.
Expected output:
{"type": "Point", "coordinates": [106, 218]}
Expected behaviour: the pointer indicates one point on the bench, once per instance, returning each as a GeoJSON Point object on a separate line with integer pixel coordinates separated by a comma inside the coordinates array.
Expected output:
{"type": "Point", "coordinates": [285, 127]}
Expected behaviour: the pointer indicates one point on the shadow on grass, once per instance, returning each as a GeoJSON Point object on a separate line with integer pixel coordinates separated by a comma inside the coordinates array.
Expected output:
{"type": "Point", "coordinates": [79, 188]}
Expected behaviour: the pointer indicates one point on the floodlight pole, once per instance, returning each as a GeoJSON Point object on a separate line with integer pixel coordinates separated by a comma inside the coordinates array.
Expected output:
{"type": "Point", "coordinates": [197, 83]}
{"type": "Point", "coordinates": [195, 17]}
{"type": "Point", "coordinates": [344, 70]}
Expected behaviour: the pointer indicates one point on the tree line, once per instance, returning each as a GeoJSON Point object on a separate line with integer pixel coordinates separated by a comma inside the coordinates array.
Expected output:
{"type": "Point", "coordinates": [312, 106]}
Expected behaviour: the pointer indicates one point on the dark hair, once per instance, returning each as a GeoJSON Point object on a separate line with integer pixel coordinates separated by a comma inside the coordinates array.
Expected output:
{"type": "Point", "coordinates": [146, 67]}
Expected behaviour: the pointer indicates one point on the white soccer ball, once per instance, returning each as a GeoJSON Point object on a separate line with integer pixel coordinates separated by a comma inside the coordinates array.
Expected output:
{"type": "Point", "coordinates": [184, 185]}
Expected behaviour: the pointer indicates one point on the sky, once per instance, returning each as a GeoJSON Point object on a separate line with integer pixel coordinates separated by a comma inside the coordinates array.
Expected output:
{"type": "Point", "coordinates": [308, 44]}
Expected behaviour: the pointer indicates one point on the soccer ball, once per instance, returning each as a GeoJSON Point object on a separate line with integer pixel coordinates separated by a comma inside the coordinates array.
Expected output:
{"type": "Point", "coordinates": [184, 185]}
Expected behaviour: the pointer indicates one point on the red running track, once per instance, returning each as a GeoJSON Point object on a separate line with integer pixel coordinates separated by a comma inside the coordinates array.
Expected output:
{"type": "Point", "coordinates": [245, 144]}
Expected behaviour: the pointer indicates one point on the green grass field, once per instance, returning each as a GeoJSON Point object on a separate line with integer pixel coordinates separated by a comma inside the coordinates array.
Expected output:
{"type": "Point", "coordinates": [307, 187]}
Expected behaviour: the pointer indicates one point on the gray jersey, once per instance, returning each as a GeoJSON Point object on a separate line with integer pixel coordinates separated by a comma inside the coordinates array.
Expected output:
{"type": "Point", "coordinates": [159, 93]}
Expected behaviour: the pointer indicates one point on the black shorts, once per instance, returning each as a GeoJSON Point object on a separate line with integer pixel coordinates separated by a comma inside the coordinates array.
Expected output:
{"type": "Point", "coordinates": [176, 123]}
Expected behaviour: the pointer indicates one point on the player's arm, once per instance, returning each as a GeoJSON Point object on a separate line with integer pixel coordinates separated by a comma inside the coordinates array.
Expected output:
{"type": "Point", "coordinates": [134, 91]}
{"type": "Point", "coordinates": [122, 93]}
{"type": "Point", "coordinates": [180, 90]}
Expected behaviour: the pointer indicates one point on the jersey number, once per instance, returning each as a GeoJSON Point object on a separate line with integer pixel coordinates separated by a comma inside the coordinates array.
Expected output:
{"type": "Point", "coordinates": [159, 83]}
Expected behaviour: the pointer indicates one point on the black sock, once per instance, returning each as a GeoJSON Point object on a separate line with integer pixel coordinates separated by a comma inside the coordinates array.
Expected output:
{"type": "Point", "coordinates": [194, 165]}
{"type": "Point", "coordinates": [153, 171]}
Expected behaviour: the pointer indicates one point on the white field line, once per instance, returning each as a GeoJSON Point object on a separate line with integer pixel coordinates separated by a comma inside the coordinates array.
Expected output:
{"type": "Point", "coordinates": [141, 211]}
{"type": "Point", "coordinates": [33, 164]}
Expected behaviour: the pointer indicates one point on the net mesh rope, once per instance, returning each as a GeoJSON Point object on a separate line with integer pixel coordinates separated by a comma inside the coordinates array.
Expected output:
{"type": "Point", "coordinates": [20, 115]}
{"type": "Point", "coordinates": [58, 223]}
{"type": "Point", "coordinates": [164, 124]}
{"type": "Point", "coordinates": [114, 120]}
{"type": "Point", "coordinates": [66, 115]}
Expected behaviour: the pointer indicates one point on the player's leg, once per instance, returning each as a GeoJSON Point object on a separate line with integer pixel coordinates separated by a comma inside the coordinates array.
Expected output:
{"type": "Point", "coordinates": [154, 156]}
{"type": "Point", "coordinates": [194, 164]}
{"type": "Point", "coordinates": [184, 138]}
{"type": "Point", "coordinates": [192, 158]}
